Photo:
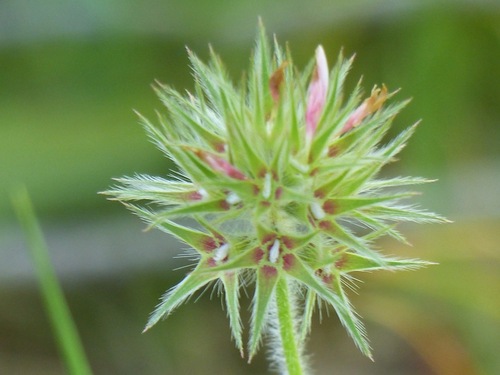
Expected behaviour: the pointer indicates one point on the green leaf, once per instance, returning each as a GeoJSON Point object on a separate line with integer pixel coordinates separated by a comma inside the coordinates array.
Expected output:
{"type": "Point", "coordinates": [350, 262]}
{"type": "Point", "coordinates": [281, 158]}
{"type": "Point", "coordinates": [295, 134]}
{"type": "Point", "coordinates": [231, 288]}
{"type": "Point", "coordinates": [209, 81]}
{"type": "Point", "coordinates": [327, 187]}
{"type": "Point", "coordinates": [200, 241]}
{"type": "Point", "coordinates": [205, 206]}
{"type": "Point", "coordinates": [404, 213]}
{"type": "Point", "coordinates": [396, 182]}
{"type": "Point", "coordinates": [397, 144]}
{"type": "Point", "coordinates": [188, 119]}
{"type": "Point", "coordinates": [247, 259]}
{"type": "Point", "coordinates": [343, 205]}
{"type": "Point", "coordinates": [260, 73]}
{"type": "Point", "coordinates": [352, 323]}
{"type": "Point", "coordinates": [241, 149]}
{"type": "Point", "coordinates": [380, 228]}
{"type": "Point", "coordinates": [180, 293]}
{"type": "Point", "coordinates": [348, 239]}
{"type": "Point", "coordinates": [158, 137]}
{"type": "Point", "coordinates": [267, 277]}
{"type": "Point", "coordinates": [357, 178]}
{"type": "Point", "coordinates": [155, 189]}
{"type": "Point", "coordinates": [309, 304]}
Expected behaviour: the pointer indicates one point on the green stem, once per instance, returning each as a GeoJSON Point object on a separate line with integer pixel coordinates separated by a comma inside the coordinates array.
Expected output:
{"type": "Point", "coordinates": [287, 328]}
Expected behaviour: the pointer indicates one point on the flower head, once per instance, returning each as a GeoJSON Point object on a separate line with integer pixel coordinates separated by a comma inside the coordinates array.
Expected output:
{"type": "Point", "coordinates": [278, 183]}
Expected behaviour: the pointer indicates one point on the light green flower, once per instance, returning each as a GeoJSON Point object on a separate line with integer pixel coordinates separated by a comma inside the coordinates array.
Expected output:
{"type": "Point", "coordinates": [279, 178]}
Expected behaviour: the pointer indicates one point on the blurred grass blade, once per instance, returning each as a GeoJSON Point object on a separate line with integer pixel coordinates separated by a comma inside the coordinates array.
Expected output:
{"type": "Point", "coordinates": [64, 329]}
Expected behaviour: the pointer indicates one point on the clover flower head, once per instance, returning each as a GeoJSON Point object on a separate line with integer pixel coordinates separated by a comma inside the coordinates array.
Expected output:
{"type": "Point", "coordinates": [280, 178]}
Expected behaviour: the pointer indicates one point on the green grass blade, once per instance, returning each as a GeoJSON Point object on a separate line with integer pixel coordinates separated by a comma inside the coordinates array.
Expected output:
{"type": "Point", "coordinates": [69, 343]}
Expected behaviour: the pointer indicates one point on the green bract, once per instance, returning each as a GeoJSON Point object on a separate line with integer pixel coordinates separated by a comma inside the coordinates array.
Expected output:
{"type": "Point", "coordinates": [279, 177]}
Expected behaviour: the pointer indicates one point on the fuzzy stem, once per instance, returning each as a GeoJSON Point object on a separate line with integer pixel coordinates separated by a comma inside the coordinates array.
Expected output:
{"type": "Point", "coordinates": [287, 328]}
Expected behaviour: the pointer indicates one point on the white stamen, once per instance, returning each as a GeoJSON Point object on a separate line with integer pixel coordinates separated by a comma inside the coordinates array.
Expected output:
{"type": "Point", "coordinates": [233, 198]}
{"type": "Point", "coordinates": [317, 211]}
{"type": "Point", "coordinates": [221, 252]}
{"type": "Point", "coordinates": [269, 127]}
{"type": "Point", "coordinates": [274, 252]}
{"type": "Point", "coordinates": [266, 191]}
{"type": "Point", "coordinates": [203, 193]}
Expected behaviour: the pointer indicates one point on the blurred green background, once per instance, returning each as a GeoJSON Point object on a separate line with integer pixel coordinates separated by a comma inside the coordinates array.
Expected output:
{"type": "Point", "coordinates": [72, 71]}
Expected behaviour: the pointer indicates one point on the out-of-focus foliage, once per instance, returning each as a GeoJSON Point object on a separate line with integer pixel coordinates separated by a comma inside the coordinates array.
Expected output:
{"type": "Point", "coordinates": [70, 75]}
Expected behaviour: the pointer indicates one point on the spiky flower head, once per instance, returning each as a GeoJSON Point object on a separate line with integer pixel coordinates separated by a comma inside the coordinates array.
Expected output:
{"type": "Point", "coordinates": [279, 178]}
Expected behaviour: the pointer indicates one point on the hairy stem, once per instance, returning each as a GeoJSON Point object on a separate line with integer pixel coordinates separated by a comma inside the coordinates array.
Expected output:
{"type": "Point", "coordinates": [287, 328]}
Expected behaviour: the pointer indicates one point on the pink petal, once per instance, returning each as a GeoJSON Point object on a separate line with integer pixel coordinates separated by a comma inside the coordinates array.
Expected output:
{"type": "Point", "coordinates": [318, 90]}
{"type": "Point", "coordinates": [221, 165]}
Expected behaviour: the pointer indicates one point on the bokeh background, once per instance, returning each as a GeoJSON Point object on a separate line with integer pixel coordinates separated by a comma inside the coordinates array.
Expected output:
{"type": "Point", "coordinates": [71, 72]}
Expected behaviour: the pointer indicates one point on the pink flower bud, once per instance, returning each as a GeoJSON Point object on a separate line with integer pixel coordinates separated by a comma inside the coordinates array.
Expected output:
{"type": "Point", "coordinates": [318, 90]}
{"type": "Point", "coordinates": [370, 105]}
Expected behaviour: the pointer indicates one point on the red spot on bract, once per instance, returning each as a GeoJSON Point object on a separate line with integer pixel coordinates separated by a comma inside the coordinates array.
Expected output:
{"type": "Point", "coordinates": [262, 173]}
{"type": "Point", "coordinates": [313, 172]}
{"type": "Point", "coordinates": [236, 174]}
{"type": "Point", "coordinates": [269, 237]}
{"type": "Point", "coordinates": [211, 262]}
{"type": "Point", "coordinates": [276, 80]}
{"type": "Point", "coordinates": [194, 196]}
{"type": "Point", "coordinates": [329, 207]}
{"type": "Point", "coordinates": [225, 205]}
{"type": "Point", "coordinates": [327, 278]}
{"type": "Point", "coordinates": [339, 264]}
{"type": "Point", "coordinates": [326, 225]}
{"type": "Point", "coordinates": [278, 193]}
{"type": "Point", "coordinates": [319, 194]}
{"type": "Point", "coordinates": [255, 190]}
{"type": "Point", "coordinates": [220, 147]}
{"type": "Point", "coordinates": [269, 271]}
{"type": "Point", "coordinates": [209, 244]}
{"type": "Point", "coordinates": [258, 255]}
{"type": "Point", "coordinates": [265, 203]}
{"type": "Point", "coordinates": [333, 151]}
{"type": "Point", "coordinates": [288, 261]}
{"type": "Point", "coordinates": [288, 242]}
